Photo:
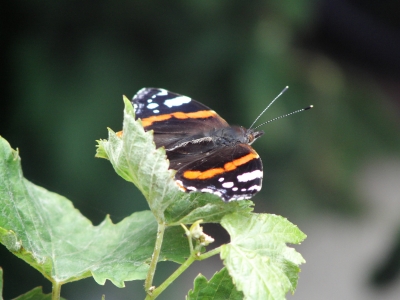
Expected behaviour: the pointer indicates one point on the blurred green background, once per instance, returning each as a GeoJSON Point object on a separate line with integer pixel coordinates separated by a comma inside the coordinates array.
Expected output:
{"type": "Point", "coordinates": [334, 171]}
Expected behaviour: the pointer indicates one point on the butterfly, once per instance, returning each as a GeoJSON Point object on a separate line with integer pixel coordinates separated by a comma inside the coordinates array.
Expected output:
{"type": "Point", "coordinates": [208, 154]}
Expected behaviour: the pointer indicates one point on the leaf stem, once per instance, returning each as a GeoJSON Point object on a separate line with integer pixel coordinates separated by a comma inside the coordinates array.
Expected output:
{"type": "Point", "coordinates": [210, 253]}
{"type": "Point", "coordinates": [154, 258]}
{"type": "Point", "coordinates": [171, 278]}
{"type": "Point", "coordinates": [56, 290]}
{"type": "Point", "coordinates": [192, 258]}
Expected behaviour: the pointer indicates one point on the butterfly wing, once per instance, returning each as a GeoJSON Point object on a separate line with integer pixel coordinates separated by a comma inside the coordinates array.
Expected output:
{"type": "Point", "coordinates": [184, 126]}
{"type": "Point", "coordinates": [173, 117]}
{"type": "Point", "coordinates": [159, 105]}
{"type": "Point", "coordinates": [232, 173]}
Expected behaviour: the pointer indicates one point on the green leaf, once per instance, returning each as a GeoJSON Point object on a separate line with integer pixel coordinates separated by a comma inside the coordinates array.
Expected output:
{"type": "Point", "coordinates": [220, 287]}
{"type": "Point", "coordinates": [257, 258]}
{"type": "Point", "coordinates": [46, 231]}
{"type": "Point", "coordinates": [1, 284]}
{"type": "Point", "coordinates": [136, 159]}
{"type": "Point", "coordinates": [35, 294]}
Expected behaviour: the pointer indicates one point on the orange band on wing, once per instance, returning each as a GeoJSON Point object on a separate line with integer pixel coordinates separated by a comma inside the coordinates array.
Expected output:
{"type": "Point", "coordinates": [230, 166]}
{"type": "Point", "coordinates": [202, 114]}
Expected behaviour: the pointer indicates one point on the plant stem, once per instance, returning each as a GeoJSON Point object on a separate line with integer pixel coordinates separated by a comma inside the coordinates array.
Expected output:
{"type": "Point", "coordinates": [190, 243]}
{"type": "Point", "coordinates": [154, 258]}
{"type": "Point", "coordinates": [171, 278]}
{"type": "Point", "coordinates": [209, 253]}
{"type": "Point", "coordinates": [193, 257]}
{"type": "Point", "coordinates": [56, 291]}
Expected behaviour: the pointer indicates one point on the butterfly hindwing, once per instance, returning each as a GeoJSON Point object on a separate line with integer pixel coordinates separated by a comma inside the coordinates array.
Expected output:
{"type": "Point", "coordinates": [232, 173]}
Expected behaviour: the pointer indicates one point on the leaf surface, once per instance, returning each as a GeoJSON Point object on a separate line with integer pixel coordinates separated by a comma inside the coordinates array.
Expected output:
{"type": "Point", "coordinates": [45, 230]}
{"type": "Point", "coordinates": [220, 287]}
{"type": "Point", "coordinates": [1, 284]}
{"type": "Point", "coordinates": [258, 259]}
{"type": "Point", "coordinates": [35, 294]}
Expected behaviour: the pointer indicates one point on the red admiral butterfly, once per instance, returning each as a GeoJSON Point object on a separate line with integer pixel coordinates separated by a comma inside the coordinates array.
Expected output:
{"type": "Point", "coordinates": [207, 153]}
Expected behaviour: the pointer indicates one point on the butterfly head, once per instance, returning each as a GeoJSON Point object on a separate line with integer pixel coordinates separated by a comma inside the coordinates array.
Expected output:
{"type": "Point", "coordinates": [252, 135]}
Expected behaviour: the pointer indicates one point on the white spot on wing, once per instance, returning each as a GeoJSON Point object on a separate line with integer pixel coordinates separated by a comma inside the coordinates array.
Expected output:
{"type": "Point", "coordinates": [228, 185]}
{"type": "Point", "coordinates": [162, 92]}
{"type": "Point", "coordinates": [219, 194]}
{"type": "Point", "coordinates": [250, 176]}
{"type": "Point", "coordinates": [180, 185]}
{"type": "Point", "coordinates": [234, 189]}
{"type": "Point", "coordinates": [156, 111]}
{"type": "Point", "coordinates": [178, 101]}
{"type": "Point", "coordinates": [152, 105]}
{"type": "Point", "coordinates": [221, 178]}
{"type": "Point", "coordinates": [254, 187]}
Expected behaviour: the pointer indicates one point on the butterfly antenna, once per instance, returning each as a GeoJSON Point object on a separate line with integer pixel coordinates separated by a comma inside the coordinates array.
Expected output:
{"type": "Point", "coordinates": [280, 94]}
{"type": "Point", "coordinates": [284, 116]}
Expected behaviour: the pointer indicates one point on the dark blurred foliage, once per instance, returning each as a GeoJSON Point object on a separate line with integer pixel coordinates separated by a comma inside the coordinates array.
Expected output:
{"type": "Point", "coordinates": [388, 269]}
{"type": "Point", "coordinates": [66, 64]}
